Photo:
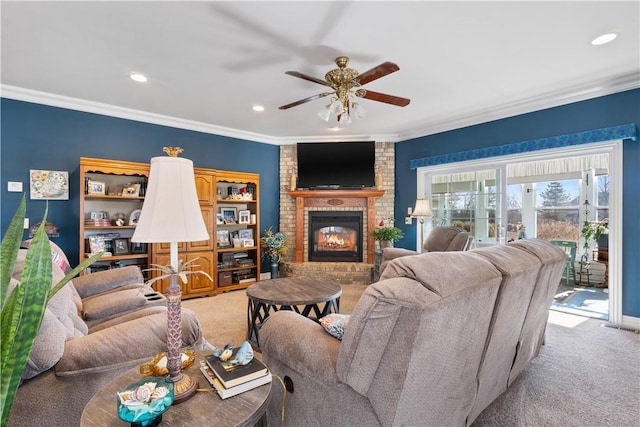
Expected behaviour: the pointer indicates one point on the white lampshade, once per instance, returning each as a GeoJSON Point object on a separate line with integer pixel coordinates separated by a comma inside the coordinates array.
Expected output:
{"type": "Point", "coordinates": [422, 208]}
{"type": "Point", "coordinates": [171, 211]}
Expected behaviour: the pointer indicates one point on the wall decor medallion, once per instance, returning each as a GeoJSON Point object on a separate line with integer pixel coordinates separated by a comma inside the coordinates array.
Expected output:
{"type": "Point", "coordinates": [335, 202]}
{"type": "Point", "coordinates": [49, 185]}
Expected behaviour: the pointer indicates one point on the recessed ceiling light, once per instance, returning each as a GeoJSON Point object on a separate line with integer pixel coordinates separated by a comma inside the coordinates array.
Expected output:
{"type": "Point", "coordinates": [604, 39]}
{"type": "Point", "coordinates": [138, 77]}
{"type": "Point", "coordinates": [258, 108]}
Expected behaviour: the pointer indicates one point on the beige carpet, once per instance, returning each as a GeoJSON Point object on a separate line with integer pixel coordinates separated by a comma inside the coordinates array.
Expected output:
{"type": "Point", "coordinates": [224, 317]}
{"type": "Point", "coordinates": [587, 374]}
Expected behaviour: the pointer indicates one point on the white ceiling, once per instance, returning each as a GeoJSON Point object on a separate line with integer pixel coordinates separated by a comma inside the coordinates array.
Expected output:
{"type": "Point", "coordinates": [208, 63]}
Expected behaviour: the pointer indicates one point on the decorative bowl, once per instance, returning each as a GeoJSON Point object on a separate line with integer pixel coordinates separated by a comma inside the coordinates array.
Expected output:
{"type": "Point", "coordinates": [143, 402]}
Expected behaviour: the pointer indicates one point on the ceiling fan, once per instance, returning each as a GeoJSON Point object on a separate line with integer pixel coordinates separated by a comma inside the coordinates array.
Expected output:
{"type": "Point", "coordinates": [346, 83]}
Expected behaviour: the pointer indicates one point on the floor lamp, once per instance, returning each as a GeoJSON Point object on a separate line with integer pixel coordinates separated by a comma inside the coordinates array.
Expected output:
{"type": "Point", "coordinates": [420, 211]}
{"type": "Point", "coordinates": [171, 214]}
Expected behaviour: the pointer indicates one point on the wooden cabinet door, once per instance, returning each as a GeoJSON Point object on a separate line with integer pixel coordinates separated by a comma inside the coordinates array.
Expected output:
{"type": "Point", "coordinates": [165, 259]}
{"type": "Point", "coordinates": [208, 216]}
{"type": "Point", "coordinates": [197, 283]}
{"type": "Point", "coordinates": [204, 188]}
{"type": "Point", "coordinates": [163, 248]}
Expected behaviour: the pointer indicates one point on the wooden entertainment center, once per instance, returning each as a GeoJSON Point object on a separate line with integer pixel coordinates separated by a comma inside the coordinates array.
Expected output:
{"type": "Point", "coordinates": [111, 196]}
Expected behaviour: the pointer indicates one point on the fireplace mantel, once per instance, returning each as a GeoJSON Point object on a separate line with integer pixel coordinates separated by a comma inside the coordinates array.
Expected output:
{"type": "Point", "coordinates": [335, 198]}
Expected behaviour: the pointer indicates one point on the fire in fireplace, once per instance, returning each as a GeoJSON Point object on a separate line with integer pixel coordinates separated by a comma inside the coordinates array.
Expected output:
{"type": "Point", "coordinates": [335, 236]}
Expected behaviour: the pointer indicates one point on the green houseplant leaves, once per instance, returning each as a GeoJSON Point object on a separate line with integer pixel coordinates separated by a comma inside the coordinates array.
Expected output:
{"type": "Point", "coordinates": [23, 309]}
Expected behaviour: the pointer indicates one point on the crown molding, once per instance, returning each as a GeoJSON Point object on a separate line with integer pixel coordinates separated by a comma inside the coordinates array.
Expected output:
{"type": "Point", "coordinates": [54, 100]}
{"type": "Point", "coordinates": [557, 98]}
{"type": "Point", "coordinates": [45, 98]}
{"type": "Point", "coordinates": [576, 93]}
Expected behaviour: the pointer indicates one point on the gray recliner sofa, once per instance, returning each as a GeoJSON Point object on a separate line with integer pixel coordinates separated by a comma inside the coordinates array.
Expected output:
{"type": "Point", "coordinates": [433, 342]}
{"type": "Point", "coordinates": [96, 327]}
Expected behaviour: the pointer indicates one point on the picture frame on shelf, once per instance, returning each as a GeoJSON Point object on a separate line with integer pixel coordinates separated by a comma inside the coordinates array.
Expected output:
{"type": "Point", "coordinates": [131, 190]}
{"type": "Point", "coordinates": [96, 244]}
{"type": "Point", "coordinates": [223, 239]}
{"type": "Point", "coordinates": [134, 217]}
{"type": "Point", "coordinates": [248, 243]}
{"type": "Point", "coordinates": [96, 188]}
{"type": "Point", "coordinates": [121, 246]}
{"type": "Point", "coordinates": [114, 190]}
{"type": "Point", "coordinates": [237, 243]}
{"type": "Point", "coordinates": [219, 218]}
{"type": "Point", "coordinates": [138, 248]}
{"type": "Point", "coordinates": [246, 234]}
{"type": "Point", "coordinates": [244, 217]}
{"type": "Point", "coordinates": [229, 215]}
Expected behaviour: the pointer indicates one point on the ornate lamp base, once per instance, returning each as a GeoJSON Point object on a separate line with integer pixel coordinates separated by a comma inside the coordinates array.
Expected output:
{"type": "Point", "coordinates": [184, 387]}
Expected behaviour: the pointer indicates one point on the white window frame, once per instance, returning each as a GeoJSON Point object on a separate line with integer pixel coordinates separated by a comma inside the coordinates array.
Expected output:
{"type": "Point", "coordinates": [613, 148]}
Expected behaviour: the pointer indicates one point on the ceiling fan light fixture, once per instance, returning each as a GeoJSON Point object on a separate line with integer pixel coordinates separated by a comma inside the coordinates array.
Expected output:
{"type": "Point", "coordinates": [344, 120]}
{"type": "Point", "coordinates": [336, 107]}
{"type": "Point", "coordinates": [325, 113]}
{"type": "Point", "coordinates": [358, 111]}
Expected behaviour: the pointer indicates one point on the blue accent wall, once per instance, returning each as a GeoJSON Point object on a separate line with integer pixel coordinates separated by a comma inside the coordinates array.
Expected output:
{"type": "Point", "coordinates": [35, 136]}
{"type": "Point", "coordinates": [607, 111]}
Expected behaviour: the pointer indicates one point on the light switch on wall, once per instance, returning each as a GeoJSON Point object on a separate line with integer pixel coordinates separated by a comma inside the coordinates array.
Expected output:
{"type": "Point", "coordinates": [14, 187]}
{"type": "Point", "coordinates": [407, 220]}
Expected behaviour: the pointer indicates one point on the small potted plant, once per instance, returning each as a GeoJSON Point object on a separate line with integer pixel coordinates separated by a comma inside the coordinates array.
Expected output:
{"type": "Point", "coordinates": [386, 234]}
{"type": "Point", "coordinates": [598, 231]}
{"type": "Point", "coordinates": [274, 245]}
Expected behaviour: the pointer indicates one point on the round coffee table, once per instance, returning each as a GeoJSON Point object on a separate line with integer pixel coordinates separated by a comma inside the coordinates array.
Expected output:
{"type": "Point", "coordinates": [305, 296]}
{"type": "Point", "coordinates": [204, 408]}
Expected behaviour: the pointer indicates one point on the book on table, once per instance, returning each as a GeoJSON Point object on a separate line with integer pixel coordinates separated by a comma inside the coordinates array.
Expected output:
{"type": "Point", "coordinates": [224, 392]}
{"type": "Point", "coordinates": [232, 375]}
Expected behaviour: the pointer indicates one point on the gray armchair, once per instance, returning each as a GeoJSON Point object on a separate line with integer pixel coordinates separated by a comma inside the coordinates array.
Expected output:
{"type": "Point", "coordinates": [441, 239]}
{"type": "Point", "coordinates": [93, 329]}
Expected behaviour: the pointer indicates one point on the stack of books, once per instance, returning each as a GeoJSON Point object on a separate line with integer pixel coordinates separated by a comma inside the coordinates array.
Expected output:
{"type": "Point", "coordinates": [229, 380]}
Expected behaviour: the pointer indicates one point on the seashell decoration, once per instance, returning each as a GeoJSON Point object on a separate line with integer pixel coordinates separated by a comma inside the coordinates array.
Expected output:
{"type": "Point", "coordinates": [146, 393]}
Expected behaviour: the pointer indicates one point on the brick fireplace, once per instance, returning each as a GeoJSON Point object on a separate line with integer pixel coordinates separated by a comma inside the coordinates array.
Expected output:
{"type": "Point", "coordinates": [373, 204]}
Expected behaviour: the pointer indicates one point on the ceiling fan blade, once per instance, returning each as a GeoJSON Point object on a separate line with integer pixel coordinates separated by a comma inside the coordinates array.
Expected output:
{"type": "Point", "coordinates": [377, 72]}
{"type": "Point", "coordinates": [383, 97]}
{"type": "Point", "coordinates": [306, 77]}
{"type": "Point", "coordinates": [302, 101]}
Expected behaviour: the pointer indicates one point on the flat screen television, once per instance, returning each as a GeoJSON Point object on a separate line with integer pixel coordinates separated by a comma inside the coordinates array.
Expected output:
{"type": "Point", "coordinates": [326, 165]}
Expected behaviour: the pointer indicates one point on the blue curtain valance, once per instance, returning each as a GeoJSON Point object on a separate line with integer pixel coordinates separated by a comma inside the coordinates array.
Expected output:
{"type": "Point", "coordinates": [628, 131]}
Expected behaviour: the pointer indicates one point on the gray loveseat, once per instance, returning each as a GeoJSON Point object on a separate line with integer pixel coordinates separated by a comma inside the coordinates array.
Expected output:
{"type": "Point", "coordinates": [93, 329]}
{"type": "Point", "coordinates": [434, 342]}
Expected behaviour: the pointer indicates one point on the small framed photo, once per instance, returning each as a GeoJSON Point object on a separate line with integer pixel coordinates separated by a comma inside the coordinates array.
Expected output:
{"type": "Point", "coordinates": [96, 187]}
{"type": "Point", "coordinates": [121, 247]}
{"type": "Point", "coordinates": [131, 190]}
{"type": "Point", "coordinates": [244, 217]}
{"type": "Point", "coordinates": [138, 248]}
{"type": "Point", "coordinates": [248, 243]}
{"type": "Point", "coordinates": [237, 243]}
{"type": "Point", "coordinates": [246, 234]}
{"type": "Point", "coordinates": [223, 238]}
{"type": "Point", "coordinates": [114, 190]}
{"type": "Point", "coordinates": [219, 219]}
{"type": "Point", "coordinates": [96, 244]}
{"type": "Point", "coordinates": [134, 217]}
{"type": "Point", "coordinates": [229, 215]}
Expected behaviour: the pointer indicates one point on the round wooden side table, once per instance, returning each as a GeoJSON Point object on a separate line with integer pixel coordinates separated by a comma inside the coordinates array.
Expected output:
{"type": "Point", "coordinates": [305, 296]}
{"type": "Point", "coordinates": [204, 408]}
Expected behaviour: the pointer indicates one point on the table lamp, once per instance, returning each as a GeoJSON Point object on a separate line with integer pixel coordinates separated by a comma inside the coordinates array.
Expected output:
{"type": "Point", "coordinates": [171, 214]}
{"type": "Point", "coordinates": [420, 211]}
